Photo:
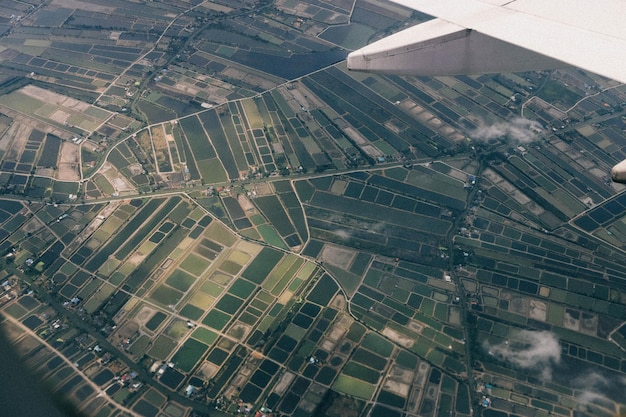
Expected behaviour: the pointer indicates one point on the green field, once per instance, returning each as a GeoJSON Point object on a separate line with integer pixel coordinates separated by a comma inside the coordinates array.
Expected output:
{"type": "Point", "coordinates": [323, 291]}
{"type": "Point", "coordinates": [197, 138]}
{"type": "Point", "coordinates": [180, 280]}
{"type": "Point", "coordinates": [216, 319]}
{"type": "Point", "coordinates": [230, 267]}
{"type": "Point", "coordinates": [21, 102]}
{"type": "Point", "coordinates": [353, 386]}
{"type": "Point", "coordinates": [162, 347]}
{"type": "Point", "coordinates": [361, 372]}
{"type": "Point", "coordinates": [212, 289]}
{"type": "Point", "coordinates": [229, 304]}
{"type": "Point", "coordinates": [261, 266]}
{"type": "Point", "coordinates": [191, 312]}
{"type": "Point", "coordinates": [97, 299]}
{"type": "Point", "coordinates": [166, 295]}
{"type": "Point", "coordinates": [189, 353]}
{"type": "Point", "coordinates": [194, 264]}
{"type": "Point", "coordinates": [220, 234]}
{"type": "Point", "coordinates": [285, 269]}
{"type": "Point", "coordinates": [156, 320]}
{"type": "Point", "coordinates": [376, 343]}
{"type": "Point", "coordinates": [271, 236]}
{"type": "Point", "coordinates": [242, 288]}
{"type": "Point", "coordinates": [212, 171]}
{"type": "Point", "coordinates": [176, 329]}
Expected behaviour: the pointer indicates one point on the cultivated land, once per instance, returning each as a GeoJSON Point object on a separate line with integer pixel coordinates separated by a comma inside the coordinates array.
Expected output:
{"type": "Point", "coordinates": [204, 213]}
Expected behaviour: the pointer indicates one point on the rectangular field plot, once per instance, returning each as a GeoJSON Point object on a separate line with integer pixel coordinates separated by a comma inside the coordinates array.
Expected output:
{"type": "Point", "coordinates": [211, 288]}
{"type": "Point", "coordinates": [180, 280]}
{"type": "Point", "coordinates": [216, 319]}
{"type": "Point", "coordinates": [271, 236]}
{"type": "Point", "coordinates": [352, 386]}
{"type": "Point", "coordinates": [220, 234]}
{"type": "Point", "coordinates": [262, 264]}
{"type": "Point", "coordinates": [197, 138]}
{"type": "Point", "coordinates": [194, 264]}
{"type": "Point", "coordinates": [166, 295]}
{"type": "Point", "coordinates": [162, 347]}
{"type": "Point", "coordinates": [361, 372]}
{"type": "Point", "coordinates": [272, 209]}
{"type": "Point", "coordinates": [55, 108]}
{"type": "Point", "coordinates": [205, 336]}
{"type": "Point", "coordinates": [242, 288]}
{"type": "Point", "coordinates": [380, 213]}
{"type": "Point", "coordinates": [229, 304]}
{"type": "Point", "coordinates": [202, 300]}
{"type": "Point", "coordinates": [189, 353]}
{"type": "Point", "coordinates": [191, 312]}
{"type": "Point", "coordinates": [211, 122]}
{"type": "Point", "coordinates": [211, 170]}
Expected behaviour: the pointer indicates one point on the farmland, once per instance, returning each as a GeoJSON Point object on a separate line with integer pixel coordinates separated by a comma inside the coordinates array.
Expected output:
{"type": "Point", "coordinates": [203, 212]}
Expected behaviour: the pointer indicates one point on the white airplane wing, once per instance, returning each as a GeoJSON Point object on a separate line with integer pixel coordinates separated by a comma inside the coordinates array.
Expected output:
{"type": "Point", "coordinates": [478, 36]}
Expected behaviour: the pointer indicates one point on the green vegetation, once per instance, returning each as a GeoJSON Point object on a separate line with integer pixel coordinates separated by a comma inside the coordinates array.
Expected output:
{"type": "Point", "coordinates": [354, 387]}
{"type": "Point", "coordinates": [262, 264]}
{"type": "Point", "coordinates": [189, 353]}
{"type": "Point", "coordinates": [180, 280]}
{"type": "Point", "coordinates": [275, 238]}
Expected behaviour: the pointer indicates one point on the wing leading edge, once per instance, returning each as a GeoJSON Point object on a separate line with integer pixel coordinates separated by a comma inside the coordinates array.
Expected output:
{"type": "Point", "coordinates": [478, 36]}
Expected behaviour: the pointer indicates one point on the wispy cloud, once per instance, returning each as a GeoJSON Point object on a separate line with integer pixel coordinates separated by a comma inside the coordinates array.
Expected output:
{"type": "Point", "coordinates": [516, 129]}
{"type": "Point", "coordinates": [343, 234]}
{"type": "Point", "coordinates": [530, 350]}
{"type": "Point", "coordinates": [594, 387]}
{"type": "Point", "coordinates": [540, 352]}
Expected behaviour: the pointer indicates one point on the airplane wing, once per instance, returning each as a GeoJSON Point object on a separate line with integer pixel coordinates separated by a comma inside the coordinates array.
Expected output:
{"type": "Point", "coordinates": [478, 36]}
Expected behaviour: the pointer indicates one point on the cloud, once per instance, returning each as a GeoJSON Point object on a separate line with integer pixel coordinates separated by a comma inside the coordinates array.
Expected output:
{"type": "Point", "coordinates": [539, 352]}
{"type": "Point", "coordinates": [530, 350]}
{"type": "Point", "coordinates": [594, 387]}
{"type": "Point", "coordinates": [377, 227]}
{"type": "Point", "coordinates": [516, 129]}
{"type": "Point", "coordinates": [343, 234]}
{"type": "Point", "coordinates": [590, 396]}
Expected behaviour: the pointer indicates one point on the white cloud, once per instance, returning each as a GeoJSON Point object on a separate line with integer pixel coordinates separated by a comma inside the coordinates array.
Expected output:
{"type": "Point", "coordinates": [593, 386]}
{"type": "Point", "coordinates": [516, 129]}
{"type": "Point", "coordinates": [530, 350]}
{"type": "Point", "coordinates": [343, 234]}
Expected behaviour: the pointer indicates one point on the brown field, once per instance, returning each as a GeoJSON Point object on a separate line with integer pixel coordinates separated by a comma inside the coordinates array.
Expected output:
{"type": "Point", "coordinates": [69, 162]}
{"type": "Point", "coordinates": [159, 142]}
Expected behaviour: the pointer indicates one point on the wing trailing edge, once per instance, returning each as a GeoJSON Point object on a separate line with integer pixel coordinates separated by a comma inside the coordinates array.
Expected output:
{"type": "Point", "coordinates": [438, 47]}
{"type": "Point", "coordinates": [579, 33]}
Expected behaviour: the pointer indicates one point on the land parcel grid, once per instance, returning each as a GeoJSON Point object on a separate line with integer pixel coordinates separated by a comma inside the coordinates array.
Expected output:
{"type": "Point", "coordinates": [260, 135]}
{"type": "Point", "coordinates": [276, 52]}
{"type": "Point", "coordinates": [380, 214]}
{"type": "Point", "coordinates": [125, 157]}
{"type": "Point", "coordinates": [52, 150]}
{"type": "Point", "coordinates": [289, 199]}
{"type": "Point", "coordinates": [204, 157]}
{"type": "Point", "coordinates": [378, 127]}
{"type": "Point", "coordinates": [273, 210]}
{"type": "Point", "coordinates": [56, 109]}
{"type": "Point", "coordinates": [87, 55]}
{"type": "Point", "coordinates": [261, 375]}
{"type": "Point", "coordinates": [526, 282]}
{"type": "Point", "coordinates": [116, 248]}
{"type": "Point", "coordinates": [213, 127]}
{"type": "Point", "coordinates": [412, 305]}
{"type": "Point", "coordinates": [237, 124]}
{"type": "Point", "coordinates": [212, 290]}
